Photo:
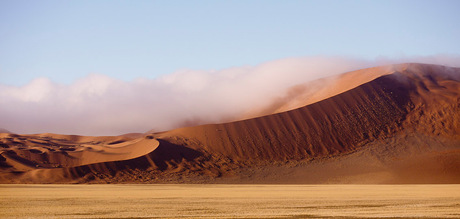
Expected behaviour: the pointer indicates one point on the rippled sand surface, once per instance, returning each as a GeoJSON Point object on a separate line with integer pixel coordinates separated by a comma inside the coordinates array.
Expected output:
{"type": "Point", "coordinates": [229, 201]}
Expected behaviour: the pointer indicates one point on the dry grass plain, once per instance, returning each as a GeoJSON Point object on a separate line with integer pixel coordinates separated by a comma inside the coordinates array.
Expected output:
{"type": "Point", "coordinates": [229, 201]}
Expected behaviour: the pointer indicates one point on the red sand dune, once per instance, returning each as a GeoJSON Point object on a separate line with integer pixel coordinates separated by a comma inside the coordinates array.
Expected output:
{"type": "Point", "coordinates": [392, 124]}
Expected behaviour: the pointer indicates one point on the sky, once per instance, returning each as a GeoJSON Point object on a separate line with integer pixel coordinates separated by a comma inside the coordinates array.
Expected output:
{"type": "Point", "coordinates": [83, 49]}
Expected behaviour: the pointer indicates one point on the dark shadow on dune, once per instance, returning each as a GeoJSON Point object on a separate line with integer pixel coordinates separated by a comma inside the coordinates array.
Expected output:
{"type": "Point", "coordinates": [158, 159]}
{"type": "Point", "coordinates": [168, 152]}
{"type": "Point", "coordinates": [13, 155]}
{"type": "Point", "coordinates": [3, 162]}
{"type": "Point", "coordinates": [398, 91]}
{"type": "Point", "coordinates": [116, 142]}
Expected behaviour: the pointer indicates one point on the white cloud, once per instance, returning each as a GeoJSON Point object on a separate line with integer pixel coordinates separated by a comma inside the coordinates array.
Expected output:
{"type": "Point", "coordinates": [100, 105]}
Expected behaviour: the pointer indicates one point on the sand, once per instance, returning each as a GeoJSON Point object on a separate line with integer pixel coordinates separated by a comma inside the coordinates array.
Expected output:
{"type": "Point", "coordinates": [321, 89]}
{"type": "Point", "coordinates": [229, 201]}
{"type": "Point", "coordinates": [391, 124]}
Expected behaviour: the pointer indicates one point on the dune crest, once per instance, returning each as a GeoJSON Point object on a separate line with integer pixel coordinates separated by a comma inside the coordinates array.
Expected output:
{"type": "Point", "coordinates": [390, 124]}
{"type": "Point", "coordinates": [317, 90]}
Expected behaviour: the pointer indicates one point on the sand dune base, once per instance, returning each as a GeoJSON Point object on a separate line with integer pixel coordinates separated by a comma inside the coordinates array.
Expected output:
{"type": "Point", "coordinates": [229, 201]}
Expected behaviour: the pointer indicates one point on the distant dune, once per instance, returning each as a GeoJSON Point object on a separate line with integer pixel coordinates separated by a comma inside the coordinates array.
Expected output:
{"type": "Point", "coordinates": [4, 131]}
{"type": "Point", "coordinates": [390, 124]}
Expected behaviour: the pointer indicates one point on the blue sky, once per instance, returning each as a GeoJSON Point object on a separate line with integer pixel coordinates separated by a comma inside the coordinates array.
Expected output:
{"type": "Point", "coordinates": [67, 40]}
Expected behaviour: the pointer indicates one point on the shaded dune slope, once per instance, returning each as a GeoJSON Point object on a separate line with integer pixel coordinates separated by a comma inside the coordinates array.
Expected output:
{"type": "Point", "coordinates": [400, 126]}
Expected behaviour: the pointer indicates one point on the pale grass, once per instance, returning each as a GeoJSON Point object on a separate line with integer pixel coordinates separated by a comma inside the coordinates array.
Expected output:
{"type": "Point", "coordinates": [229, 201]}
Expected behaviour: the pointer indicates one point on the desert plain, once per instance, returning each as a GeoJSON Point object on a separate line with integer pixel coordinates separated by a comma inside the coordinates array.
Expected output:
{"type": "Point", "coordinates": [229, 201]}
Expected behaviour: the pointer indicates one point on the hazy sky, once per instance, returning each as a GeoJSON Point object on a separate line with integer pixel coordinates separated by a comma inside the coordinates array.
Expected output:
{"type": "Point", "coordinates": [113, 67]}
{"type": "Point", "coordinates": [67, 40]}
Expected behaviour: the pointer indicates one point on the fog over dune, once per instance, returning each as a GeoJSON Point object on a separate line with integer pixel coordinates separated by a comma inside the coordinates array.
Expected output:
{"type": "Point", "coordinates": [101, 105]}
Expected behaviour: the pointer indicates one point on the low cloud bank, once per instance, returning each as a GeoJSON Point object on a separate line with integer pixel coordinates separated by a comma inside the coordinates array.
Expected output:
{"type": "Point", "coordinates": [100, 105]}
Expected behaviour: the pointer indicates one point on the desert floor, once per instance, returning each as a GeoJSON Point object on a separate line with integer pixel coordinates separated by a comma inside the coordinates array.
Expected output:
{"type": "Point", "coordinates": [229, 201]}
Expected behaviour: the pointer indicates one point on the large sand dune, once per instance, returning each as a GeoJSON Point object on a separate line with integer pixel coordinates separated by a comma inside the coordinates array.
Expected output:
{"type": "Point", "coordinates": [391, 124]}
